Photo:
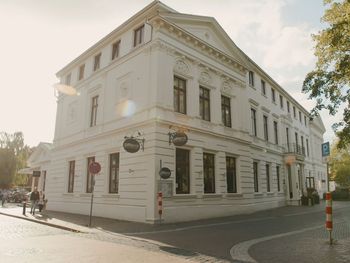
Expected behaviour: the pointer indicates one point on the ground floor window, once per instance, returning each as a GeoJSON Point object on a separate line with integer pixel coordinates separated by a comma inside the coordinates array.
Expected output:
{"type": "Point", "coordinates": [268, 186]}
{"type": "Point", "coordinates": [256, 178]}
{"type": "Point", "coordinates": [90, 176]}
{"type": "Point", "coordinates": [209, 172]}
{"type": "Point", "coordinates": [113, 172]}
{"type": "Point", "coordinates": [182, 171]}
{"type": "Point", "coordinates": [231, 174]}
{"type": "Point", "coordinates": [71, 176]}
{"type": "Point", "coordinates": [278, 178]}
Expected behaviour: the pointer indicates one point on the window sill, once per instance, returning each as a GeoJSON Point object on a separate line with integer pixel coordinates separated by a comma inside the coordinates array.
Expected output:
{"type": "Point", "coordinates": [233, 195]}
{"type": "Point", "coordinates": [111, 196]}
{"type": "Point", "coordinates": [182, 196]}
{"type": "Point", "coordinates": [207, 196]}
{"type": "Point", "coordinates": [258, 194]}
{"type": "Point", "coordinates": [85, 195]}
{"type": "Point", "coordinates": [68, 194]}
{"type": "Point", "coordinates": [270, 193]}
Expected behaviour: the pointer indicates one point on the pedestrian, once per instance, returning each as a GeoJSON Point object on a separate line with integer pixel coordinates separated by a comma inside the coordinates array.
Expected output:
{"type": "Point", "coordinates": [34, 199]}
{"type": "Point", "coordinates": [41, 201]}
{"type": "Point", "coordinates": [3, 198]}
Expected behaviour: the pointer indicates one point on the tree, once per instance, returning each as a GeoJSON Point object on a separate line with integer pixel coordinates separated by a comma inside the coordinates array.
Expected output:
{"type": "Point", "coordinates": [13, 156]}
{"type": "Point", "coordinates": [329, 82]}
{"type": "Point", "coordinates": [340, 165]}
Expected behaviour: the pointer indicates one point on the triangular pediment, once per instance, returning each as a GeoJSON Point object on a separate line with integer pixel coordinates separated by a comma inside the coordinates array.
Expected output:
{"type": "Point", "coordinates": [41, 154]}
{"type": "Point", "coordinates": [208, 30]}
{"type": "Point", "coordinates": [317, 122]}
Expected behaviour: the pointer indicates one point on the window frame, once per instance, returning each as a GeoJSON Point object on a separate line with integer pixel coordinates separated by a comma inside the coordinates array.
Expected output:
{"type": "Point", "coordinates": [263, 87]}
{"type": "Point", "coordinates": [204, 99]}
{"type": "Point", "coordinates": [115, 175]}
{"type": "Point", "coordinates": [268, 177]}
{"type": "Point", "coordinates": [68, 79]}
{"type": "Point", "coordinates": [266, 127]}
{"type": "Point", "coordinates": [81, 72]}
{"type": "Point", "coordinates": [71, 174]}
{"type": "Point", "coordinates": [278, 178]}
{"type": "Point", "coordinates": [115, 49]}
{"type": "Point", "coordinates": [253, 119]}
{"type": "Point", "coordinates": [89, 176]}
{"type": "Point", "coordinates": [251, 78]}
{"type": "Point", "coordinates": [275, 128]}
{"type": "Point", "coordinates": [209, 173]}
{"type": "Point", "coordinates": [139, 35]}
{"type": "Point", "coordinates": [226, 111]}
{"type": "Point", "coordinates": [94, 110]}
{"type": "Point", "coordinates": [179, 92]}
{"type": "Point", "coordinates": [231, 188]}
{"type": "Point", "coordinates": [256, 176]}
{"type": "Point", "coordinates": [97, 61]}
{"type": "Point", "coordinates": [184, 165]}
{"type": "Point", "coordinates": [273, 95]}
{"type": "Point", "coordinates": [281, 101]}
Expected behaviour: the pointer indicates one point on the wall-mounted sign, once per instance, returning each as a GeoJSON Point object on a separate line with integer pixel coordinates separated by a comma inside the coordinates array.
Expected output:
{"type": "Point", "coordinates": [164, 172]}
{"type": "Point", "coordinates": [178, 138]}
{"type": "Point", "coordinates": [94, 168]}
{"type": "Point", "coordinates": [325, 149]}
{"type": "Point", "coordinates": [131, 145]}
{"type": "Point", "coordinates": [36, 173]}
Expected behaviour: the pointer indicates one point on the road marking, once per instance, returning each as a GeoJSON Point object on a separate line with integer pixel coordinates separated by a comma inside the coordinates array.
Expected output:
{"type": "Point", "coordinates": [240, 253]}
{"type": "Point", "coordinates": [199, 226]}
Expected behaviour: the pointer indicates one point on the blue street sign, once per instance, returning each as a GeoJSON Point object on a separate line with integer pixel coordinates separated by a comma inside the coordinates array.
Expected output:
{"type": "Point", "coordinates": [325, 149]}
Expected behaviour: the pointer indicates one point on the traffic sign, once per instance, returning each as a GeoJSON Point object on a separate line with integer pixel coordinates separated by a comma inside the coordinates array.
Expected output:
{"type": "Point", "coordinates": [94, 168]}
{"type": "Point", "coordinates": [325, 149]}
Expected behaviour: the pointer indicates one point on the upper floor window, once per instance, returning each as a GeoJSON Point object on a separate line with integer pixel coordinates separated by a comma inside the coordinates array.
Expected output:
{"type": "Point", "coordinates": [93, 114]}
{"type": "Point", "coordinates": [263, 87]}
{"type": "Point", "coordinates": [266, 128]}
{"type": "Point", "coordinates": [113, 172]}
{"type": "Point", "coordinates": [288, 107]}
{"type": "Point", "coordinates": [300, 116]}
{"type": "Point", "coordinates": [273, 94]}
{"type": "Point", "coordinates": [139, 35]}
{"type": "Point", "coordinates": [182, 171]}
{"type": "Point", "coordinates": [68, 79]}
{"type": "Point", "coordinates": [294, 112]}
{"type": "Point", "coordinates": [305, 120]}
{"type": "Point", "coordinates": [251, 78]}
{"type": "Point", "coordinates": [281, 101]}
{"type": "Point", "coordinates": [204, 103]}
{"type": "Point", "coordinates": [179, 95]}
{"type": "Point", "coordinates": [97, 61]}
{"type": "Point", "coordinates": [307, 147]}
{"type": "Point", "coordinates": [275, 128]}
{"type": "Point", "coordinates": [253, 118]}
{"type": "Point", "coordinates": [226, 111]}
{"type": "Point", "coordinates": [81, 72]}
{"type": "Point", "coordinates": [115, 49]}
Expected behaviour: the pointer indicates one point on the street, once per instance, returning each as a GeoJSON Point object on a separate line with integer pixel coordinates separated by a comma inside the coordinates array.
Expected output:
{"type": "Point", "coordinates": [287, 234]}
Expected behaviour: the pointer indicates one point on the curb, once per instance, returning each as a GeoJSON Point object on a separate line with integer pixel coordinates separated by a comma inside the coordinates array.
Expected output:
{"type": "Point", "coordinates": [44, 223]}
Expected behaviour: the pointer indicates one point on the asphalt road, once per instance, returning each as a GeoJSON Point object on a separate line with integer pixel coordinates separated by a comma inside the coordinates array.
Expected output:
{"type": "Point", "coordinates": [288, 234]}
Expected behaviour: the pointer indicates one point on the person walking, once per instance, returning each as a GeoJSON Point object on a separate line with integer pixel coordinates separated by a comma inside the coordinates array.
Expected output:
{"type": "Point", "coordinates": [34, 199]}
{"type": "Point", "coordinates": [41, 201]}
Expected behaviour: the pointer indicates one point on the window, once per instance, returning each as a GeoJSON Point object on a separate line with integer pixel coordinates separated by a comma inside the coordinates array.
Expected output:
{"type": "Point", "coordinates": [273, 94]}
{"type": "Point", "coordinates": [256, 178]}
{"type": "Point", "coordinates": [209, 173]}
{"type": "Point", "coordinates": [266, 128]}
{"type": "Point", "coordinates": [94, 105]}
{"type": "Point", "coordinates": [263, 87]}
{"type": "Point", "coordinates": [71, 176]}
{"type": "Point", "coordinates": [204, 103]}
{"type": "Point", "coordinates": [113, 172]}
{"type": "Point", "coordinates": [299, 116]}
{"type": "Point", "coordinates": [294, 112]}
{"type": "Point", "coordinates": [81, 72]}
{"type": "Point", "coordinates": [138, 35]}
{"type": "Point", "coordinates": [296, 140]}
{"type": "Point", "coordinates": [231, 174]}
{"type": "Point", "coordinates": [288, 107]}
{"type": "Point", "coordinates": [275, 128]}
{"type": "Point", "coordinates": [305, 121]}
{"type": "Point", "coordinates": [97, 61]}
{"type": "Point", "coordinates": [253, 117]}
{"type": "Point", "coordinates": [287, 136]}
{"type": "Point", "coordinates": [182, 171]}
{"type": "Point", "coordinates": [268, 186]}
{"type": "Point", "coordinates": [302, 144]}
{"type": "Point", "coordinates": [278, 178]}
{"type": "Point", "coordinates": [251, 78]}
{"type": "Point", "coordinates": [115, 49]}
{"type": "Point", "coordinates": [90, 176]}
{"type": "Point", "coordinates": [68, 79]}
{"type": "Point", "coordinates": [226, 111]}
{"type": "Point", "coordinates": [281, 101]}
{"type": "Point", "coordinates": [307, 147]}
{"type": "Point", "coordinates": [179, 95]}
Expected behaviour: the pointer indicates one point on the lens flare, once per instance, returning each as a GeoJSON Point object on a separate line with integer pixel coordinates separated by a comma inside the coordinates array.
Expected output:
{"type": "Point", "coordinates": [126, 108]}
{"type": "Point", "coordinates": [66, 89]}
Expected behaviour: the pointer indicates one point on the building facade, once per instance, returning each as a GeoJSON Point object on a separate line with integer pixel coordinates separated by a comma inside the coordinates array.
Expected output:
{"type": "Point", "coordinates": [251, 146]}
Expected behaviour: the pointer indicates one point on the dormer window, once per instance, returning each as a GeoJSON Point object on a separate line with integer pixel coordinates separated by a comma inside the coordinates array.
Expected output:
{"type": "Point", "coordinates": [138, 35]}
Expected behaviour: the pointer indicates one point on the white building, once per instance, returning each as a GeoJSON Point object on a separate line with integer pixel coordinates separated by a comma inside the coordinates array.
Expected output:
{"type": "Point", "coordinates": [250, 146]}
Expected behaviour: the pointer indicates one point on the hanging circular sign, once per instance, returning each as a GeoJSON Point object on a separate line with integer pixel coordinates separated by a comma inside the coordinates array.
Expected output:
{"type": "Point", "coordinates": [131, 145]}
{"type": "Point", "coordinates": [179, 139]}
{"type": "Point", "coordinates": [94, 168]}
{"type": "Point", "coordinates": [164, 172]}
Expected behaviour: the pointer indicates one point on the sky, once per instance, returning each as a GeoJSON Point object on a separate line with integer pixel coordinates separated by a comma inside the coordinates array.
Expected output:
{"type": "Point", "coordinates": [38, 38]}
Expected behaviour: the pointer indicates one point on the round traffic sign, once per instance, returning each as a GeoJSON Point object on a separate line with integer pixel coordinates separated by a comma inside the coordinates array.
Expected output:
{"type": "Point", "coordinates": [94, 168]}
{"type": "Point", "coordinates": [164, 172]}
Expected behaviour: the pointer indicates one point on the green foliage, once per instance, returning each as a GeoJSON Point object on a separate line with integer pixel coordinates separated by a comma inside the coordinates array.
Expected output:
{"type": "Point", "coordinates": [329, 83]}
{"type": "Point", "coordinates": [340, 166]}
{"type": "Point", "coordinates": [13, 156]}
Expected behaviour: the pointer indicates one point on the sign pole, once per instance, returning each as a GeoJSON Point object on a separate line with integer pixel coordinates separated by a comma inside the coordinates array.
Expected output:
{"type": "Point", "coordinates": [92, 198]}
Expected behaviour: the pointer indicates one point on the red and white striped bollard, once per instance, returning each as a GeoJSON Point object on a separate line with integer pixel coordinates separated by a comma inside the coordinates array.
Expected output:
{"type": "Point", "coordinates": [329, 219]}
{"type": "Point", "coordinates": [160, 205]}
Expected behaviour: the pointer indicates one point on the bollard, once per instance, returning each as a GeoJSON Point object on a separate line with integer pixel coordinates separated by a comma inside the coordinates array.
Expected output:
{"type": "Point", "coordinates": [24, 207]}
{"type": "Point", "coordinates": [160, 205]}
{"type": "Point", "coordinates": [329, 220]}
